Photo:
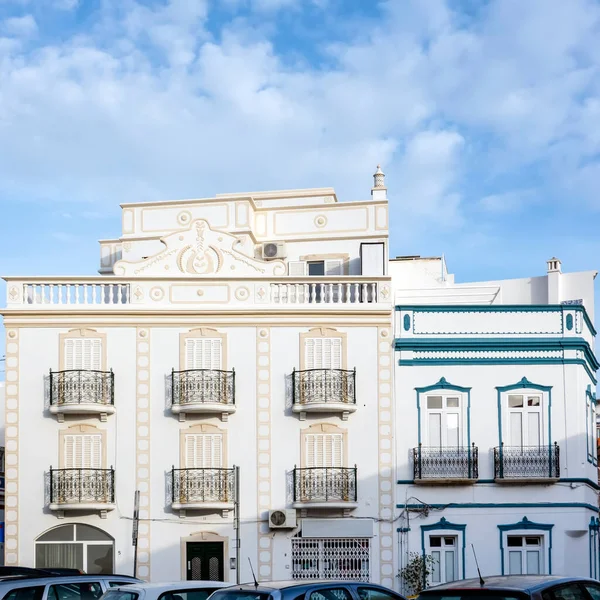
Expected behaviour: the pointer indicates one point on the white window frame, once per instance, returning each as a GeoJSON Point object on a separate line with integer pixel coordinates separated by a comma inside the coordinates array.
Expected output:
{"type": "Point", "coordinates": [544, 548]}
{"type": "Point", "coordinates": [444, 411]}
{"type": "Point", "coordinates": [429, 550]}
{"type": "Point", "coordinates": [591, 430]}
{"type": "Point", "coordinates": [542, 410]}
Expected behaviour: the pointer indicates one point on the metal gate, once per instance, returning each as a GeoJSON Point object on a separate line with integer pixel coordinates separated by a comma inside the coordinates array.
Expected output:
{"type": "Point", "coordinates": [204, 561]}
{"type": "Point", "coordinates": [330, 558]}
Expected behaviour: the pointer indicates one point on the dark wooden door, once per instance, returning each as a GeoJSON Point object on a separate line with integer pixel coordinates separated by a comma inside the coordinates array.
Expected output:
{"type": "Point", "coordinates": [205, 561]}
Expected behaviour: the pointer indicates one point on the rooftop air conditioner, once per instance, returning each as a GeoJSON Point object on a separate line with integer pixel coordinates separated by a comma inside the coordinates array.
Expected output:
{"type": "Point", "coordinates": [282, 519]}
{"type": "Point", "coordinates": [271, 250]}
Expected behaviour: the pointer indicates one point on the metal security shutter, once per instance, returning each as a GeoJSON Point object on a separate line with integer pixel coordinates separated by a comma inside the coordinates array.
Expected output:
{"type": "Point", "coordinates": [203, 353]}
{"type": "Point", "coordinates": [334, 267]}
{"type": "Point", "coordinates": [203, 451]}
{"type": "Point", "coordinates": [323, 353]}
{"type": "Point", "coordinates": [324, 450]}
{"type": "Point", "coordinates": [83, 451]}
{"type": "Point", "coordinates": [83, 353]}
{"type": "Point", "coordinates": [297, 268]}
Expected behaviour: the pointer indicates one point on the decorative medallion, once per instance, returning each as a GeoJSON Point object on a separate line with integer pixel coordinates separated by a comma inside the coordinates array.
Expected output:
{"type": "Point", "coordinates": [569, 322]}
{"type": "Point", "coordinates": [261, 292]}
{"type": "Point", "coordinates": [138, 293]}
{"type": "Point", "coordinates": [242, 293]}
{"type": "Point", "coordinates": [384, 333]}
{"type": "Point", "coordinates": [184, 217]}
{"type": "Point", "coordinates": [12, 335]}
{"type": "Point", "coordinates": [143, 333]}
{"type": "Point", "coordinates": [157, 293]}
{"type": "Point", "coordinates": [406, 322]}
{"type": "Point", "coordinates": [200, 292]}
{"type": "Point", "coordinates": [263, 333]}
{"type": "Point", "coordinates": [320, 221]}
{"type": "Point", "coordinates": [385, 292]}
{"type": "Point", "coordinates": [13, 294]}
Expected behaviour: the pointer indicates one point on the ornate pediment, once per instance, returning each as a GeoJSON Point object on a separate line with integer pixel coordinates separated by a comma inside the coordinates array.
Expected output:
{"type": "Point", "coordinates": [202, 251]}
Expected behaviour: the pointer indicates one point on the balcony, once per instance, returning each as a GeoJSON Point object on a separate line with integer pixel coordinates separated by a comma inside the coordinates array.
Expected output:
{"type": "Point", "coordinates": [325, 487]}
{"type": "Point", "coordinates": [82, 392]}
{"type": "Point", "coordinates": [527, 464]}
{"type": "Point", "coordinates": [202, 489]}
{"type": "Point", "coordinates": [324, 391]}
{"type": "Point", "coordinates": [449, 465]}
{"type": "Point", "coordinates": [203, 391]}
{"type": "Point", "coordinates": [82, 489]}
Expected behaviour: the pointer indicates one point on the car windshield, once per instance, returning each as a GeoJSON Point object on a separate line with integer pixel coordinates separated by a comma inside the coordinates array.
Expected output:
{"type": "Point", "coordinates": [240, 595]}
{"type": "Point", "coordinates": [119, 595]}
{"type": "Point", "coordinates": [473, 595]}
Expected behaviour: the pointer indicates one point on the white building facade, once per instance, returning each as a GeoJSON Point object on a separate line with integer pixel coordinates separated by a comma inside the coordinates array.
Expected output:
{"type": "Point", "coordinates": [497, 380]}
{"type": "Point", "coordinates": [243, 334]}
{"type": "Point", "coordinates": [276, 389]}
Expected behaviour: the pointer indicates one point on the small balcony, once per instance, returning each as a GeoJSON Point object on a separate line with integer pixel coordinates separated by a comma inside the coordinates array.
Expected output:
{"type": "Point", "coordinates": [202, 489]}
{"type": "Point", "coordinates": [324, 391]}
{"type": "Point", "coordinates": [527, 464]}
{"type": "Point", "coordinates": [446, 465]}
{"type": "Point", "coordinates": [82, 489]}
{"type": "Point", "coordinates": [325, 487]}
{"type": "Point", "coordinates": [82, 392]}
{"type": "Point", "coordinates": [203, 391]}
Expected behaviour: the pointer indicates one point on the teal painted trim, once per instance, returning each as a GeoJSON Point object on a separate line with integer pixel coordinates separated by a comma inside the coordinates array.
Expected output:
{"type": "Point", "coordinates": [443, 384]}
{"type": "Point", "coordinates": [594, 549]}
{"type": "Point", "coordinates": [523, 343]}
{"type": "Point", "coordinates": [525, 523]}
{"type": "Point", "coordinates": [503, 505]}
{"type": "Point", "coordinates": [505, 308]}
{"type": "Point", "coordinates": [499, 361]}
{"type": "Point", "coordinates": [524, 384]}
{"type": "Point", "coordinates": [406, 322]}
{"type": "Point", "coordinates": [592, 452]}
{"type": "Point", "coordinates": [582, 480]}
{"type": "Point", "coordinates": [446, 526]}
{"type": "Point", "coordinates": [569, 322]}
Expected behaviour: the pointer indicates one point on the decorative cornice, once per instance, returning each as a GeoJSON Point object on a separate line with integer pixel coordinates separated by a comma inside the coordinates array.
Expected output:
{"type": "Point", "coordinates": [443, 524]}
{"type": "Point", "coordinates": [524, 383]}
{"type": "Point", "coordinates": [444, 385]}
{"type": "Point", "coordinates": [525, 523]}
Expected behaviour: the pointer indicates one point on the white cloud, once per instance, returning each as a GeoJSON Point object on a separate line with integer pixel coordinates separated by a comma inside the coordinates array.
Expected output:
{"type": "Point", "coordinates": [509, 201]}
{"type": "Point", "coordinates": [19, 26]}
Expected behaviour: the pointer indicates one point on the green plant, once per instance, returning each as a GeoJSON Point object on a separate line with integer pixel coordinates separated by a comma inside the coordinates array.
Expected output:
{"type": "Point", "coordinates": [416, 572]}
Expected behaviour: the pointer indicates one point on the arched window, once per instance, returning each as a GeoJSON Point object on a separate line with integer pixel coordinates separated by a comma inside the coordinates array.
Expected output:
{"type": "Point", "coordinates": [76, 546]}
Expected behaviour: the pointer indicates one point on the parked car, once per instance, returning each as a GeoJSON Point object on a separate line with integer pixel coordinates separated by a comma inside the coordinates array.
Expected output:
{"type": "Point", "coordinates": [57, 587]}
{"type": "Point", "coordinates": [178, 590]}
{"type": "Point", "coordinates": [516, 587]}
{"type": "Point", "coordinates": [308, 590]}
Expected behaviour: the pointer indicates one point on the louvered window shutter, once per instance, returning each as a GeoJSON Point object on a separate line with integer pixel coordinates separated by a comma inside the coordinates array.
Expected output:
{"type": "Point", "coordinates": [323, 353]}
{"type": "Point", "coordinates": [324, 450]}
{"type": "Point", "coordinates": [203, 353]}
{"type": "Point", "coordinates": [333, 267]}
{"type": "Point", "coordinates": [204, 451]}
{"type": "Point", "coordinates": [333, 443]}
{"type": "Point", "coordinates": [83, 353]}
{"type": "Point", "coordinates": [297, 268]}
{"type": "Point", "coordinates": [83, 451]}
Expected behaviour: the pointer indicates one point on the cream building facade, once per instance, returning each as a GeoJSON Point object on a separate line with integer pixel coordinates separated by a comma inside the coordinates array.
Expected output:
{"type": "Point", "coordinates": [233, 360]}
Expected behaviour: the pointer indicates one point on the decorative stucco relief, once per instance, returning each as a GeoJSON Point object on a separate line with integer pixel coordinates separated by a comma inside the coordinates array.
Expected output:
{"type": "Point", "coordinates": [200, 250]}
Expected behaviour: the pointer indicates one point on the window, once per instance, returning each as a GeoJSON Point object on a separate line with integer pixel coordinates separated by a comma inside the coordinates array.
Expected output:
{"type": "Point", "coordinates": [203, 450]}
{"type": "Point", "coordinates": [525, 555]}
{"type": "Point", "coordinates": [188, 594]}
{"type": "Point", "coordinates": [330, 594]}
{"type": "Point", "coordinates": [75, 591]}
{"type": "Point", "coordinates": [591, 430]}
{"type": "Point", "coordinates": [26, 593]}
{"type": "Point", "coordinates": [324, 449]}
{"type": "Point", "coordinates": [77, 547]}
{"type": "Point", "coordinates": [444, 420]}
{"type": "Point", "coordinates": [82, 451]}
{"type": "Point", "coordinates": [330, 558]}
{"type": "Point", "coordinates": [233, 594]}
{"type": "Point", "coordinates": [573, 591]}
{"type": "Point", "coordinates": [368, 593]}
{"type": "Point", "coordinates": [443, 550]}
{"type": "Point", "coordinates": [120, 595]}
{"type": "Point", "coordinates": [525, 420]}
{"type": "Point", "coordinates": [323, 353]}
{"type": "Point", "coordinates": [203, 353]}
{"type": "Point", "coordinates": [113, 584]}
{"type": "Point", "coordinates": [593, 589]}
{"type": "Point", "coordinates": [83, 353]}
{"type": "Point", "coordinates": [301, 268]}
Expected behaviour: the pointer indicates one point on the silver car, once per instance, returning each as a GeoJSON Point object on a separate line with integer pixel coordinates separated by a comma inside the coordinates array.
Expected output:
{"type": "Point", "coordinates": [178, 590]}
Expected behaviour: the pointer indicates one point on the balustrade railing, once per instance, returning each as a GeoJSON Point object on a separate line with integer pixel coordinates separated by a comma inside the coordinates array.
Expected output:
{"type": "Point", "coordinates": [452, 462]}
{"type": "Point", "coordinates": [203, 386]}
{"type": "Point", "coordinates": [354, 292]}
{"type": "Point", "coordinates": [527, 462]}
{"type": "Point", "coordinates": [72, 387]}
{"type": "Point", "coordinates": [82, 486]}
{"type": "Point", "coordinates": [198, 486]}
{"type": "Point", "coordinates": [76, 293]}
{"type": "Point", "coordinates": [322, 386]}
{"type": "Point", "coordinates": [325, 484]}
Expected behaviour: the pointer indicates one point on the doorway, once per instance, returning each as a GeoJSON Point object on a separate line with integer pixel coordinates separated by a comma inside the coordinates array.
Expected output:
{"type": "Point", "coordinates": [204, 561]}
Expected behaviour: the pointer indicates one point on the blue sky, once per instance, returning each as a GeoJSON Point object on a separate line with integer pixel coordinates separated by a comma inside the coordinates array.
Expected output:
{"type": "Point", "coordinates": [485, 116]}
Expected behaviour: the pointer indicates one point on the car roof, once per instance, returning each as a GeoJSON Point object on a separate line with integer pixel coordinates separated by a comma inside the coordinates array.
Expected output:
{"type": "Point", "coordinates": [506, 582]}
{"type": "Point", "coordinates": [265, 586]}
{"type": "Point", "coordinates": [173, 585]}
{"type": "Point", "coordinates": [31, 581]}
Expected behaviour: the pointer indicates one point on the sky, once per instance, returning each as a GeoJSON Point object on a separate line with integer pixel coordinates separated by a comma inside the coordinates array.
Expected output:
{"type": "Point", "coordinates": [484, 114]}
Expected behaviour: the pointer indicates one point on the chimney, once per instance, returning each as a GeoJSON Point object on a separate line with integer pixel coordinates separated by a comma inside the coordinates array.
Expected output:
{"type": "Point", "coordinates": [554, 273]}
{"type": "Point", "coordinates": [379, 191]}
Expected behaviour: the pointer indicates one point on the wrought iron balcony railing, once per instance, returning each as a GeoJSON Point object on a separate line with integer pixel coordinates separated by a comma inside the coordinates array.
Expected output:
{"type": "Point", "coordinates": [202, 486]}
{"type": "Point", "coordinates": [324, 386]}
{"type": "Point", "coordinates": [74, 387]}
{"type": "Point", "coordinates": [325, 484]}
{"type": "Point", "coordinates": [451, 463]}
{"type": "Point", "coordinates": [82, 486]}
{"type": "Point", "coordinates": [203, 386]}
{"type": "Point", "coordinates": [527, 462]}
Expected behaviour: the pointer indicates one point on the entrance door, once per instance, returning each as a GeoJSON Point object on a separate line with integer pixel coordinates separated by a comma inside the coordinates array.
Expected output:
{"type": "Point", "coordinates": [204, 561]}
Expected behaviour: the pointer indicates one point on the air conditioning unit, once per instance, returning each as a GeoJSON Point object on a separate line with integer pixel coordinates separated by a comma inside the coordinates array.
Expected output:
{"type": "Point", "coordinates": [282, 519]}
{"type": "Point", "coordinates": [271, 250]}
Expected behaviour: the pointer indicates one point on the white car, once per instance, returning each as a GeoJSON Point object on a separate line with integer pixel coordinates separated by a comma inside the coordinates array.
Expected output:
{"type": "Point", "coordinates": [177, 590]}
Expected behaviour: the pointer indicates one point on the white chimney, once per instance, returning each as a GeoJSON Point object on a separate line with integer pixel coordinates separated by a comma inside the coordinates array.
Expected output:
{"type": "Point", "coordinates": [554, 272]}
{"type": "Point", "coordinates": [379, 191]}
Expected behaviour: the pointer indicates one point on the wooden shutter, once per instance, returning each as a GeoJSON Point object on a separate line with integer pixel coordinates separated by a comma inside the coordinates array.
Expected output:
{"type": "Point", "coordinates": [323, 353]}
{"type": "Point", "coordinates": [297, 268]}
{"type": "Point", "coordinates": [83, 353]}
{"type": "Point", "coordinates": [324, 449]}
{"type": "Point", "coordinates": [83, 451]}
{"type": "Point", "coordinates": [334, 267]}
{"type": "Point", "coordinates": [204, 451]}
{"type": "Point", "coordinates": [203, 353]}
